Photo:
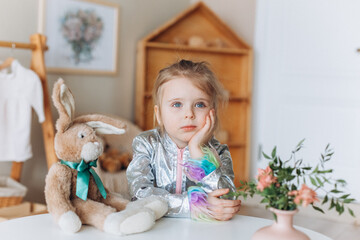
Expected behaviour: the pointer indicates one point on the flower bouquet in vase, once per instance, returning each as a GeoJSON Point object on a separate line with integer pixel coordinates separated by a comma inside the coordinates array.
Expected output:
{"type": "Point", "coordinates": [285, 185]}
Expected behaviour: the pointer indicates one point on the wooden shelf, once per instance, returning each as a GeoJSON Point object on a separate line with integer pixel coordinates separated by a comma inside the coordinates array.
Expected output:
{"type": "Point", "coordinates": [236, 145]}
{"type": "Point", "coordinates": [239, 99]}
{"type": "Point", "coordinates": [173, 46]}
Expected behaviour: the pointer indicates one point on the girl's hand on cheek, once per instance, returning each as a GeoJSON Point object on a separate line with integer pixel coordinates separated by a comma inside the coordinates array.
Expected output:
{"type": "Point", "coordinates": [202, 136]}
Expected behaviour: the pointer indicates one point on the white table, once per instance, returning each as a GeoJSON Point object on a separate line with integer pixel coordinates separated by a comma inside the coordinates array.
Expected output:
{"type": "Point", "coordinates": [42, 227]}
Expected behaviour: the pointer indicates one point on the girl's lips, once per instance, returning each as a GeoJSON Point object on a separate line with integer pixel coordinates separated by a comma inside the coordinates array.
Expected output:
{"type": "Point", "coordinates": [188, 128]}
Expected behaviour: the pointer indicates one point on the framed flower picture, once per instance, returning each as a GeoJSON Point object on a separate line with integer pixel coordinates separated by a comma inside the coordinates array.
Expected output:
{"type": "Point", "coordinates": [82, 36]}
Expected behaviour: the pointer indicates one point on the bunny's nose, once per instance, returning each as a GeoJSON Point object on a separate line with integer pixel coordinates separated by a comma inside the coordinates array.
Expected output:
{"type": "Point", "coordinates": [91, 151]}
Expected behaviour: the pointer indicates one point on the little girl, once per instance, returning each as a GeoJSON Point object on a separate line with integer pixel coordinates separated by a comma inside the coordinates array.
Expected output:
{"type": "Point", "coordinates": [186, 97]}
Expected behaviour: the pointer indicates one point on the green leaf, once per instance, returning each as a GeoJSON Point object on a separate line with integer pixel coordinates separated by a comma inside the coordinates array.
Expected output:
{"type": "Point", "coordinates": [327, 146]}
{"type": "Point", "coordinates": [325, 199]}
{"type": "Point", "coordinates": [306, 168]}
{"type": "Point", "coordinates": [291, 177]}
{"type": "Point", "coordinates": [351, 212]}
{"type": "Point", "coordinates": [345, 196]}
{"type": "Point", "coordinates": [318, 209]}
{"type": "Point", "coordinates": [313, 182]}
{"type": "Point", "coordinates": [319, 181]}
{"type": "Point", "coordinates": [325, 171]}
{"type": "Point", "coordinates": [325, 179]}
{"type": "Point", "coordinates": [332, 204]}
{"type": "Point", "coordinates": [266, 156]}
{"type": "Point", "coordinates": [316, 169]}
{"type": "Point", "coordinates": [349, 200]}
{"type": "Point", "coordinates": [342, 209]}
{"type": "Point", "coordinates": [336, 191]}
{"type": "Point", "coordinates": [273, 153]}
{"type": "Point", "coordinates": [337, 207]}
{"type": "Point", "coordinates": [299, 145]}
{"type": "Point", "coordinates": [330, 154]}
{"type": "Point", "coordinates": [341, 181]}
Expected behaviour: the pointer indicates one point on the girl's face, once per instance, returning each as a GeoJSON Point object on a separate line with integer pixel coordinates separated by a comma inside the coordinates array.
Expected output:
{"type": "Point", "coordinates": [184, 108]}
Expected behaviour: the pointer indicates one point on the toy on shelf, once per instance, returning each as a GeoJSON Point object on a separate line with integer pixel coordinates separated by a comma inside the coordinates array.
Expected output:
{"type": "Point", "coordinates": [112, 160]}
{"type": "Point", "coordinates": [196, 41]}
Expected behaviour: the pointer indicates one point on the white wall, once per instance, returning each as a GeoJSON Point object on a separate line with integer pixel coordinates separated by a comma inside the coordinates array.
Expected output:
{"type": "Point", "coordinates": [308, 70]}
{"type": "Point", "coordinates": [109, 95]}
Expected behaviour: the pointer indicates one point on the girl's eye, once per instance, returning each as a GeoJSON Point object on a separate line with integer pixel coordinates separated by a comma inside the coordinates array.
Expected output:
{"type": "Point", "coordinates": [81, 135]}
{"type": "Point", "coordinates": [177, 104]}
{"type": "Point", "coordinates": [200, 105]}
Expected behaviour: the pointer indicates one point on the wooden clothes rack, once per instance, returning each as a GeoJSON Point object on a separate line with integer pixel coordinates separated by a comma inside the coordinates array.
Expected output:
{"type": "Point", "coordinates": [37, 46]}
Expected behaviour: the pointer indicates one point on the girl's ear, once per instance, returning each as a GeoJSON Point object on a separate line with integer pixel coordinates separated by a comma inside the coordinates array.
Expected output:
{"type": "Point", "coordinates": [157, 114]}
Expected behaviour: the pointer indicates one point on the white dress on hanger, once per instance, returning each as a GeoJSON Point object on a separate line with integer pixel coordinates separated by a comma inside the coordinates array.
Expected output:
{"type": "Point", "coordinates": [20, 91]}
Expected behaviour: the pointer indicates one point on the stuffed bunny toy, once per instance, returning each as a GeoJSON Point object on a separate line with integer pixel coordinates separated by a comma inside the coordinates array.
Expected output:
{"type": "Point", "coordinates": [74, 192]}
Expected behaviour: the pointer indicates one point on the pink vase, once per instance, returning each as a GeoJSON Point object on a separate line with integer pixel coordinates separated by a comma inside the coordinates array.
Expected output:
{"type": "Point", "coordinates": [282, 229]}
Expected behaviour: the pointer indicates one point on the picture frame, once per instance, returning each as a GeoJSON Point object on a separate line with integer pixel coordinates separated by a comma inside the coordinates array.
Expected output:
{"type": "Point", "coordinates": [82, 36]}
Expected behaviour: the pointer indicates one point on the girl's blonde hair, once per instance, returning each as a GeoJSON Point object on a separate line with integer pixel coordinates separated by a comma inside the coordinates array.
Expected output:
{"type": "Point", "coordinates": [201, 76]}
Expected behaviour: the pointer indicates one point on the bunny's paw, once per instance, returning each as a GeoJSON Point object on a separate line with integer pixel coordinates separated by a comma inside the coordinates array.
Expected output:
{"type": "Point", "coordinates": [129, 221]}
{"type": "Point", "coordinates": [70, 222]}
{"type": "Point", "coordinates": [155, 203]}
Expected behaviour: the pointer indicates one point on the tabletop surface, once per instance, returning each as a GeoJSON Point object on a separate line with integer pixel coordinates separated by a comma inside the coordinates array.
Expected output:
{"type": "Point", "coordinates": [42, 227]}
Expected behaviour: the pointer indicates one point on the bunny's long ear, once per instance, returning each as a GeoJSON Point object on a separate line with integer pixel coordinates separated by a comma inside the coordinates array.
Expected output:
{"type": "Point", "coordinates": [64, 103]}
{"type": "Point", "coordinates": [103, 124]}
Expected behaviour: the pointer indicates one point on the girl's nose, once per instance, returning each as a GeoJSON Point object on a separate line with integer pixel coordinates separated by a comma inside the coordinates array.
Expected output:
{"type": "Point", "coordinates": [189, 114]}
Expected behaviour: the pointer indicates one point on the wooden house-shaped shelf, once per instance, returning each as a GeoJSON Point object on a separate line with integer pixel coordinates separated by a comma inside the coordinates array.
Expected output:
{"type": "Point", "coordinates": [197, 34]}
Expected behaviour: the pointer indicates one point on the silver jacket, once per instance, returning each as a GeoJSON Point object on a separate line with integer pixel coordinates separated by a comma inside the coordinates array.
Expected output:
{"type": "Point", "coordinates": [153, 171]}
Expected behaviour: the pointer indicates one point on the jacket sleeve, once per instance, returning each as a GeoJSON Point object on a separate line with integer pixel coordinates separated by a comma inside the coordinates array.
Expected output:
{"type": "Point", "coordinates": [142, 181]}
{"type": "Point", "coordinates": [223, 176]}
{"type": "Point", "coordinates": [215, 170]}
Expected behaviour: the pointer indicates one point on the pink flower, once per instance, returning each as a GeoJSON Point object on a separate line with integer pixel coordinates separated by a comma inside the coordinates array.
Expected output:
{"type": "Point", "coordinates": [265, 178]}
{"type": "Point", "coordinates": [304, 196]}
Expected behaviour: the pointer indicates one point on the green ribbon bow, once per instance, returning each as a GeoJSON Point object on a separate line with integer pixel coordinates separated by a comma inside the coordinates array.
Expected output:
{"type": "Point", "coordinates": [83, 177]}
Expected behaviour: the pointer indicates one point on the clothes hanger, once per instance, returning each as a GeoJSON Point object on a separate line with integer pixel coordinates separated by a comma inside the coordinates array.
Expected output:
{"type": "Point", "coordinates": [7, 63]}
